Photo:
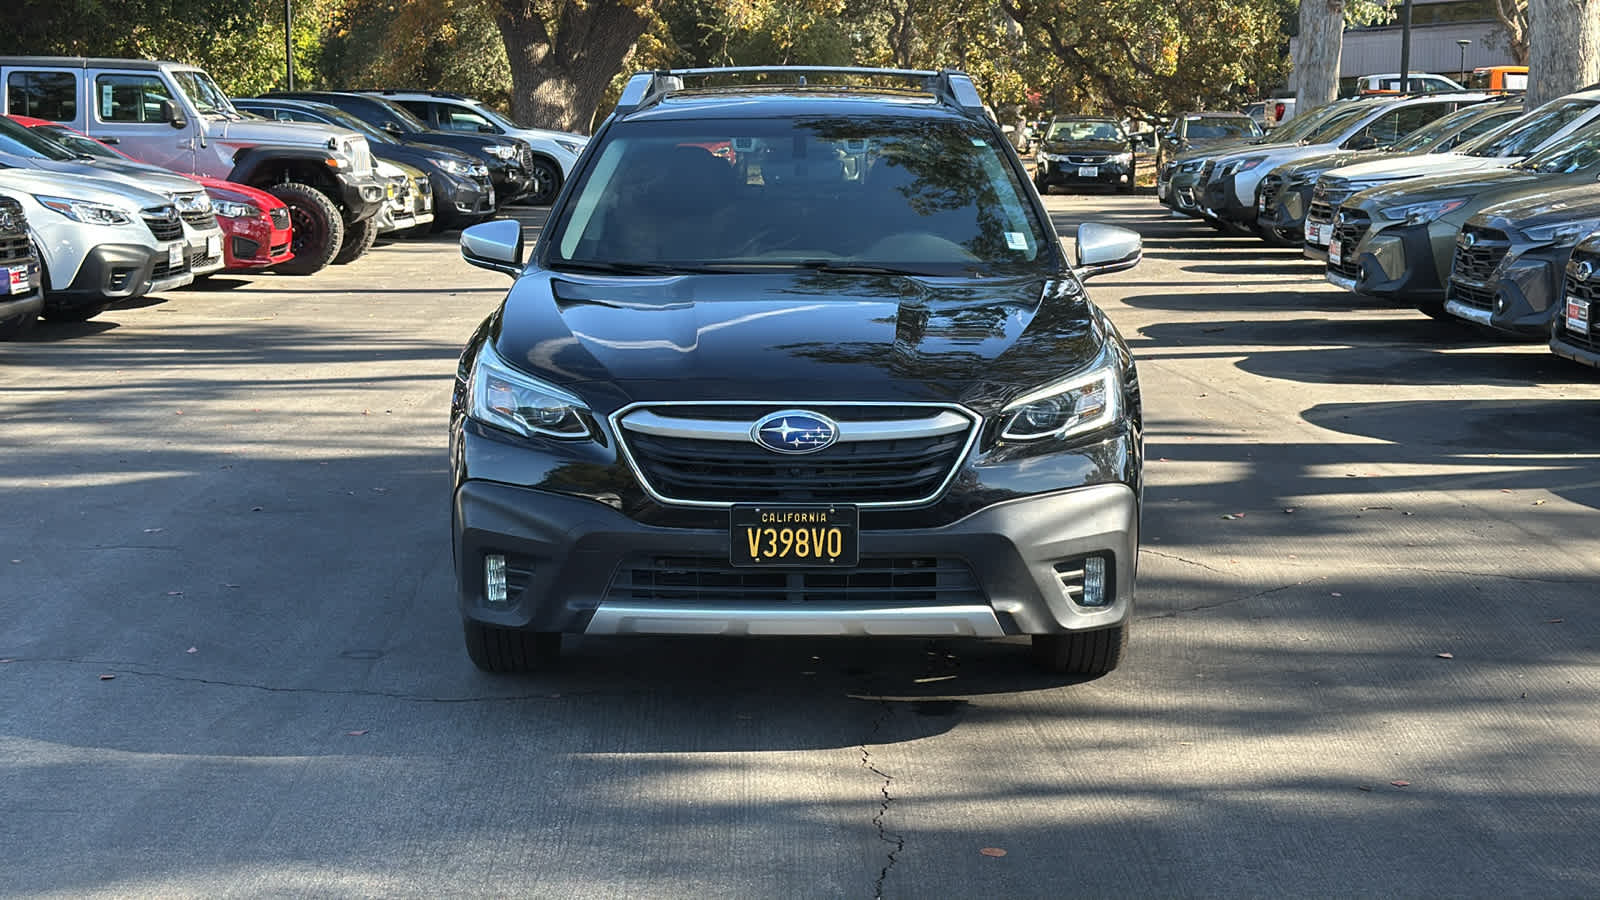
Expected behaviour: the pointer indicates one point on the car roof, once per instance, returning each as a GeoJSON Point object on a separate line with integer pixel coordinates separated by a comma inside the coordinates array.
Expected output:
{"type": "Point", "coordinates": [787, 91]}
{"type": "Point", "coordinates": [784, 103]}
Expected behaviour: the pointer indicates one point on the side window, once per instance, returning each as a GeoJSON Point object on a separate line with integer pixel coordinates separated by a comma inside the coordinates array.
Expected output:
{"type": "Point", "coordinates": [455, 118]}
{"type": "Point", "coordinates": [129, 98]}
{"type": "Point", "coordinates": [1482, 127]}
{"type": "Point", "coordinates": [1413, 117]}
{"type": "Point", "coordinates": [418, 108]}
{"type": "Point", "coordinates": [43, 95]}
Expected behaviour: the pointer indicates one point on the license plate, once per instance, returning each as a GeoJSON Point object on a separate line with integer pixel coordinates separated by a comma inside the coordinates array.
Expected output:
{"type": "Point", "coordinates": [175, 256]}
{"type": "Point", "coordinates": [1577, 315]}
{"type": "Point", "coordinates": [213, 245]}
{"type": "Point", "coordinates": [16, 281]}
{"type": "Point", "coordinates": [1088, 171]}
{"type": "Point", "coordinates": [1336, 252]}
{"type": "Point", "coordinates": [1318, 234]}
{"type": "Point", "coordinates": [787, 535]}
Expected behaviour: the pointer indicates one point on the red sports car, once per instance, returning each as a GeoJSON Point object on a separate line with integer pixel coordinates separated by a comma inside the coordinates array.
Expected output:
{"type": "Point", "coordinates": [255, 223]}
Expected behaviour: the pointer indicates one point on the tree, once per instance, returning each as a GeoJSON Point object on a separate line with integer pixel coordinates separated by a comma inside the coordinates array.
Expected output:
{"type": "Point", "coordinates": [563, 54]}
{"type": "Point", "coordinates": [1321, 41]}
{"type": "Point", "coordinates": [1564, 47]}
{"type": "Point", "coordinates": [1513, 18]}
{"type": "Point", "coordinates": [450, 45]}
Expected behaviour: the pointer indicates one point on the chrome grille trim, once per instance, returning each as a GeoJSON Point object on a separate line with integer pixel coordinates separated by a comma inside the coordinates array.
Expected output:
{"type": "Point", "coordinates": [973, 425]}
{"type": "Point", "coordinates": [646, 422]}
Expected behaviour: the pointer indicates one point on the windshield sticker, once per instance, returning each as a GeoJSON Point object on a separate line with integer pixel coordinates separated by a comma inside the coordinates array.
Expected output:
{"type": "Point", "coordinates": [979, 142]}
{"type": "Point", "coordinates": [1016, 240]}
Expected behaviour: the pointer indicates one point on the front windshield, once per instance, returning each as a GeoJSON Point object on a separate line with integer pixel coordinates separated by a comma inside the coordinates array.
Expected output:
{"type": "Point", "coordinates": [881, 194]}
{"type": "Point", "coordinates": [1086, 130]}
{"type": "Point", "coordinates": [1522, 136]}
{"type": "Point", "coordinates": [344, 120]}
{"type": "Point", "coordinates": [77, 143]}
{"type": "Point", "coordinates": [1302, 125]}
{"type": "Point", "coordinates": [20, 141]}
{"type": "Point", "coordinates": [1578, 152]}
{"type": "Point", "coordinates": [1432, 133]}
{"type": "Point", "coordinates": [207, 98]}
{"type": "Point", "coordinates": [1335, 125]}
{"type": "Point", "coordinates": [1204, 128]}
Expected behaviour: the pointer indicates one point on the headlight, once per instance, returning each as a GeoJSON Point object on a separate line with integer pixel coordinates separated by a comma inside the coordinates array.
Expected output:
{"type": "Point", "coordinates": [1194, 166]}
{"type": "Point", "coordinates": [87, 211]}
{"type": "Point", "coordinates": [572, 147]}
{"type": "Point", "coordinates": [1122, 158]}
{"type": "Point", "coordinates": [478, 170]}
{"type": "Point", "coordinates": [455, 168]}
{"type": "Point", "coordinates": [522, 404]}
{"type": "Point", "coordinates": [501, 151]}
{"type": "Point", "coordinates": [1074, 405]}
{"type": "Point", "coordinates": [231, 210]}
{"type": "Point", "coordinates": [1421, 213]}
{"type": "Point", "coordinates": [1245, 165]}
{"type": "Point", "coordinates": [1561, 232]}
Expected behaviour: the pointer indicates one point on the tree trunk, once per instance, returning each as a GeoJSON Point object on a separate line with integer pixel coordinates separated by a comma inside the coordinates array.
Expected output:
{"type": "Point", "coordinates": [1316, 59]}
{"type": "Point", "coordinates": [560, 68]}
{"type": "Point", "coordinates": [1563, 47]}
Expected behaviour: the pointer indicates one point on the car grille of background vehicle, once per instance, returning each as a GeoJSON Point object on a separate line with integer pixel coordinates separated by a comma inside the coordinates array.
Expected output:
{"type": "Point", "coordinates": [1588, 291]}
{"type": "Point", "coordinates": [15, 246]}
{"type": "Point", "coordinates": [1473, 267]}
{"type": "Point", "coordinates": [163, 222]}
{"type": "Point", "coordinates": [721, 470]}
{"type": "Point", "coordinates": [1350, 228]}
{"type": "Point", "coordinates": [201, 220]}
{"type": "Point", "coordinates": [1271, 188]}
{"type": "Point", "coordinates": [163, 270]}
{"type": "Point", "coordinates": [876, 582]}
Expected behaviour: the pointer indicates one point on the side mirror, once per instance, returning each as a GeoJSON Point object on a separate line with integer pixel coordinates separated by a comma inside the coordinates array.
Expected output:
{"type": "Point", "coordinates": [486, 128]}
{"type": "Point", "coordinates": [171, 115]}
{"type": "Point", "coordinates": [496, 246]}
{"type": "Point", "coordinates": [392, 127]}
{"type": "Point", "coordinates": [1102, 249]}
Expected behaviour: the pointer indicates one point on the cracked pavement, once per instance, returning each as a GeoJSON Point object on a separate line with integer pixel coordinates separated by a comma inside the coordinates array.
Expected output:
{"type": "Point", "coordinates": [1365, 658]}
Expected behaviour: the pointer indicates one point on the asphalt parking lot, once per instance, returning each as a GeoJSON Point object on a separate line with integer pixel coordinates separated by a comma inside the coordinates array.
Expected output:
{"type": "Point", "coordinates": [1365, 659]}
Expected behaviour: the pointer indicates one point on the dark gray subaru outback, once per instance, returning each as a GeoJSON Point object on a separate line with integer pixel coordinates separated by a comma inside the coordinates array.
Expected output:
{"type": "Point", "coordinates": [798, 353]}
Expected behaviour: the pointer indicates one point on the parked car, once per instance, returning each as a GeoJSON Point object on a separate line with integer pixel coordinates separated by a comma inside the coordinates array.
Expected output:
{"type": "Point", "coordinates": [174, 116]}
{"type": "Point", "coordinates": [1257, 112]}
{"type": "Point", "coordinates": [554, 153]}
{"type": "Point", "coordinates": [98, 241]}
{"type": "Point", "coordinates": [255, 225]}
{"type": "Point", "coordinates": [712, 429]}
{"type": "Point", "coordinates": [1391, 83]}
{"type": "Point", "coordinates": [1231, 189]}
{"type": "Point", "coordinates": [1500, 78]}
{"type": "Point", "coordinates": [506, 157]}
{"type": "Point", "coordinates": [1396, 242]}
{"type": "Point", "coordinates": [406, 212]}
{"type": "Point", "coordinates": [462, 191]}
{"type": "Point", "coordinates": [1510, 259]}
{"type": "Point", "coordinates": [1285, 195]}
{"type": "Point", "coordinates": [1516, 140]}
{"type": "Point", "coordinates": [1194, 131]}
{"type": "Point", "coordinates": [1081, 151]}
{"type": "Point", "coordinates": [21, 297]}
{"type": "Point", "coordinates": [1573, 334]}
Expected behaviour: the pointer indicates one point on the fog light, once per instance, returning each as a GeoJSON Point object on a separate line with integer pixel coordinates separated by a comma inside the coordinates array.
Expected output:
{"type": "Point", "coordinates": [494, 579]}
{"type": "Point", "coordinates": [1094, 582]}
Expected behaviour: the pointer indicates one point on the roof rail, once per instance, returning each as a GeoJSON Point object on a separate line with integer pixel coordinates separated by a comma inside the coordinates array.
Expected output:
{"type": "Point", "coordinates": [952, 87]}
{"type": "Point", "coordinates": [443, 95]}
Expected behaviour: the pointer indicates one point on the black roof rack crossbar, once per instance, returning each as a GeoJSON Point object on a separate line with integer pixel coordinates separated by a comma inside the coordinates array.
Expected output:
{"type": "Point", "coordinates": [953, 88]}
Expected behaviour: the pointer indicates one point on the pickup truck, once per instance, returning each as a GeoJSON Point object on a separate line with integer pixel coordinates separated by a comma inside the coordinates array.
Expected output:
{"type": "Point", "coordinates": [173, 115]}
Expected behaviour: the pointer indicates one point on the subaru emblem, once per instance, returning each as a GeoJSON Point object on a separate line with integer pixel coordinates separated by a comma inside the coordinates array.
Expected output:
{"type": "Point", "coordinates": [1583, 271]}
{"type": "Point", "coordinates": [795, 431]}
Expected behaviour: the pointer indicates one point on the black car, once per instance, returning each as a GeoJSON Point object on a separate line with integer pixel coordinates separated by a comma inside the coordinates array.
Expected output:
{"type": "Point", "coordinates": [1195, 131]}
{"type": "Point", "coordinates": [507, 157]}
{"type": "Point", "coordinates": [794, 360]}
{"type": "Point", "coordinates": [1574, 333]}
{"type": "Point", "coordinates": [462, 190]}
{"type": "Point", "coordinates": [1080, 151]}
{"type": "Point", "coordinates": [21, 291]}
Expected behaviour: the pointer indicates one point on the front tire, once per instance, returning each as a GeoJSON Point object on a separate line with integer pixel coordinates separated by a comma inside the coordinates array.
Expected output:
{"type": "Point", "coordinates": [548, 176]}
{"type": "Point", "coordinates": [318, 228]}
{"type": "Point", "coordinates": [1090, 653]}
{"type": "Point", "coordinates": [507, 651]}
{"type": "Point", "coordinates": [358, 239]}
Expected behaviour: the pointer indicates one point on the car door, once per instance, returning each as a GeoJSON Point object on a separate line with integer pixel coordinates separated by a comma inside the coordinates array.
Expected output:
{"type": "Point", "coordinates": [127, 112]}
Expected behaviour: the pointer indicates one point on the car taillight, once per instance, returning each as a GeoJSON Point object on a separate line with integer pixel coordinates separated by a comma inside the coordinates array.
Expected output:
{"type": "Point", "coordinates": [1278, 111]}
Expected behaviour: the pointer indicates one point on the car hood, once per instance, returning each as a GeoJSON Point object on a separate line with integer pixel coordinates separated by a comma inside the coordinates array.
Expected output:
{"type": "Point", "coordinates": [1444, 187]}
{"type": "Point", "coordinates": [238, 193]}
{"type": "Point", "coordinates": [1085, 146]}
{"type": "Point", "coordinates": [843, 337]}
{"type": "Point", "coordinates": [136, 175]}
{"type": "Point", "coordinates": [1394, 169]}
{"type": "Point", "coordinates": [420, 152]}
{"type": "Point", "coordinates": [252, 132]}
{"type": "Point", "coordinates": [1576, 203]}
{"type": "Point", "coordinates": [1313, 166]}
{"type": "Point", "coordinates": [77, 187]}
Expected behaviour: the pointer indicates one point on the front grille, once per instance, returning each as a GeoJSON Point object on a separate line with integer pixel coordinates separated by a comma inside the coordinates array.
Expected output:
{"type": "Point", "coordinates": [874, 581]}
{"type": "Point", "coordinates": [1350, 228]}
{"type": "Point", "coordinates": [724, 467]}
{"type": "Point", "coordinates": [1472, 268]}
{"type": "Point", "coordinates": [14, 251]}
{"type": "Point", "coordinates": [244, 248]}
{"type": "Point", "coordinates": [163, 270]}
{"type": "Point", "coordinates": [525, 156]}
{"type": "Point", "coordinates": [1086, 160]}
{"type": "Point", "coordinates": [201, 221]}
{"type": "Point", "coordinates": [1271, 190]}
{"type": "Point", "coordinates": [163, 222]}
{"type": "Point", "coordinates": [1588, 291]}
{"type": "Point", "coordinates": [280, 217]}
{"type": "Point", "coordinates": [199, 260]}
{"type": "Point", "coordinates": [13, 228]}
{"type": "Point", "coordinates": [1205, 175]}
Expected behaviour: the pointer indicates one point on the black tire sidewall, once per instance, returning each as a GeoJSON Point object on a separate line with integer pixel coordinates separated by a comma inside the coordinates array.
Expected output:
{"type": "Point", "coordinates": [305, 200]}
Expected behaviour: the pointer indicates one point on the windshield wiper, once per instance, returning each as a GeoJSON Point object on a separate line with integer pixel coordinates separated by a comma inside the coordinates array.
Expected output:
{"type": "Point", "coordinates": [625, 268]}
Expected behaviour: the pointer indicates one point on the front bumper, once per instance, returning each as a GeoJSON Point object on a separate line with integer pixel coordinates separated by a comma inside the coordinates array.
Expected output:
{"type": "Point", "coordinates": [1521, 298]}
{"type": "Point", "coordinates": [1287, 209]}
{"type": "Point", "coordinates": [1398, 264]}
{"type": "Point", "coordinates": [462, 200]}
{"type": "Point", "coordinates": [118, 272]}
{"type": "Point", "coordinates": [510, 181]}
{"type": "Point", "coordinates": [1054, 173]}
{"type": "Point", "coordinates": [361, 195]}
{"type": "Point", "coordinates": [254, 243]}
{"type": "Point", "coordinates": [27, 304]}
{"type": "Point", "coordinates": [1218, 200]}
{"type": "Point", "coordinates": [575, 567]}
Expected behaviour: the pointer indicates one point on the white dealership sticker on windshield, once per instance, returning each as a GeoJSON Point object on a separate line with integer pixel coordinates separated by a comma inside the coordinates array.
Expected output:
{"type": "Point", "coordinates": [1016, 240]}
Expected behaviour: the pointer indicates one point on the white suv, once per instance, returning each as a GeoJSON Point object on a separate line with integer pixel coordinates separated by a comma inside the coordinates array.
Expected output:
{"type": "Point", "coordinates": [98, 241]}
{"type": "Point", "coordinates": [554, 152]}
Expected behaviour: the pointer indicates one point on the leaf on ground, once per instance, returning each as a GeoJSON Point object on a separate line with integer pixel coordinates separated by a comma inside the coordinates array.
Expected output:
{"type": "Point", "coordinates": [4, 661]}
{"type": "Point", "coordinates": [1505, 490]}
{"type": "Point", "coordinates": [1288, 509]}
{"type": "Point", "coordinates": [1554, 621]}
{"type": "Point", "coordinates": [1336, 594]}
{"type": "Point", "coordinates": [174, 593]}
{"type": "Point", "coordinates": [192, 650]}
{"type": "Point", "coordinates": [154, 530]}
{"type": "Point", "coordinates": [1540, 502]}
{"type": "Point", "coordinates": [1401, 783]}
{"type": "Point", "coordinates": [995, 852]}
{"type": "Point", "coordinates": [356, 733]}
{"type": "Point", "coordinates": [107, 676]}
{"type": "Point", "coordinates": [1365, 508]}
{"type": "Point", "coordinates": [255, 509]}
{"type": "Point", "coordinates": [1445, 655]}
{"type": "Point", "coordinates": [1364, 787]}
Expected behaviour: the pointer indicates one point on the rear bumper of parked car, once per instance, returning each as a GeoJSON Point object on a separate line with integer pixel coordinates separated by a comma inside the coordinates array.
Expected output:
{"type": "Point", "coordinates": [578, 565]}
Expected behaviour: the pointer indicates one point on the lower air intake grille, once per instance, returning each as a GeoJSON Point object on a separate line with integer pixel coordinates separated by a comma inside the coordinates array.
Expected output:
{"type": "Point", "coordinates": [876, 581]}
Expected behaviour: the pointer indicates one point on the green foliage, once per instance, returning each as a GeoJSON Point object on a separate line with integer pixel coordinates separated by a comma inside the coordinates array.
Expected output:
{"type": "Point", "coordinates": [448, 45]}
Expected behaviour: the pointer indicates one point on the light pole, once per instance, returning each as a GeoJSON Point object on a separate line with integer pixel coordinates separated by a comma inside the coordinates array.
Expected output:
{"type": "Point", "coordinates": [288, 44]}
{"type": "Point", "coordinates": [1405, 47]}
{"type": "Point", "coordinates": [1463, 43]}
